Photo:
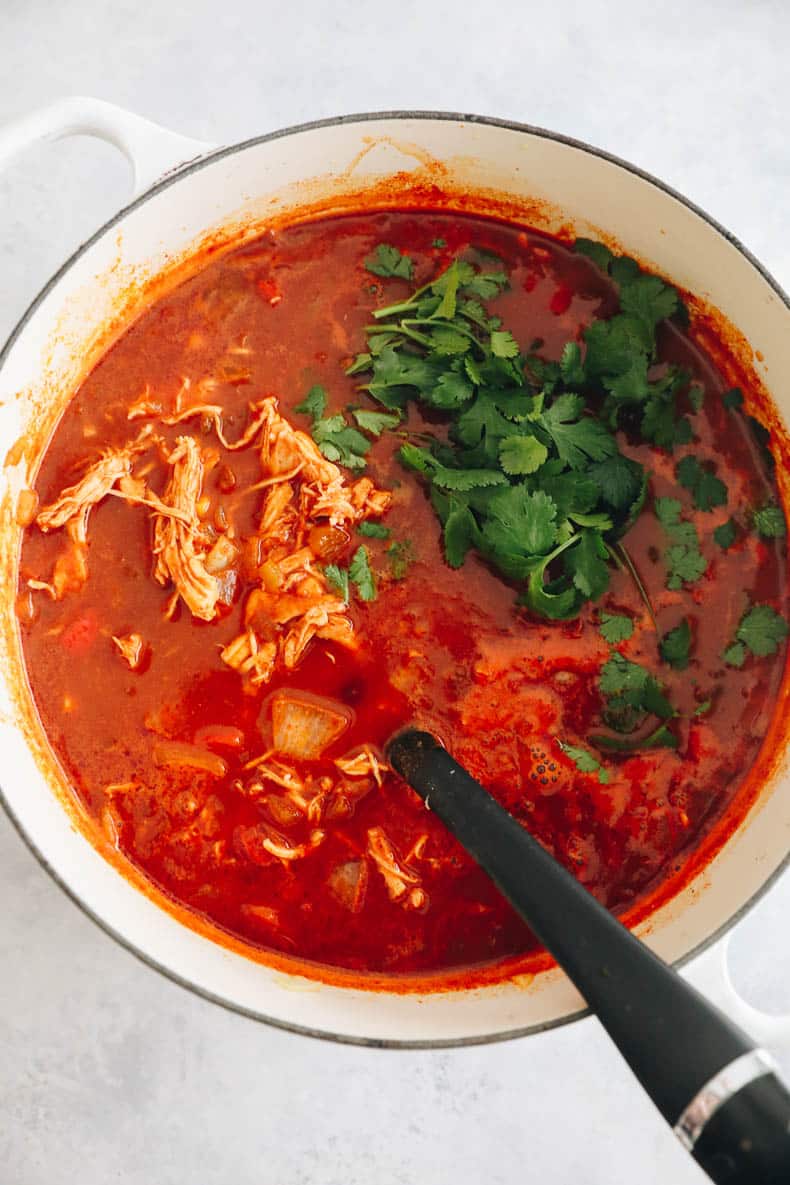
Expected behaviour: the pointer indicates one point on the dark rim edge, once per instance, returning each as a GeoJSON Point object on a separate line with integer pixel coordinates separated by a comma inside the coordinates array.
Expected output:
{"type": "Point", "coordinates": [171, 178]}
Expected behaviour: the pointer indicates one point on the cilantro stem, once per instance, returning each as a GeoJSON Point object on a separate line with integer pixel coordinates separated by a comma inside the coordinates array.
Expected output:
{"type": "Point", "coordinates": [660, 738]}
{"type": "Point", "coordinates": [622, 558]}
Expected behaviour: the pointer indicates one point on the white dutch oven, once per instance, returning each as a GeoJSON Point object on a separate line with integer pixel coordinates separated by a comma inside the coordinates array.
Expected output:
{"type": "Point", "coordinates": [222, 191]}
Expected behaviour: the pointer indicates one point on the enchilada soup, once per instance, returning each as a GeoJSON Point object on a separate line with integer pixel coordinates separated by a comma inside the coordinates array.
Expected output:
{"type": "Point", "coordinates": [389, 469]}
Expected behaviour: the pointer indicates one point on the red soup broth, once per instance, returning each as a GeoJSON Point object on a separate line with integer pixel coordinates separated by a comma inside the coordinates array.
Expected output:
{"type": "Point", "coordinates": [448, 650]}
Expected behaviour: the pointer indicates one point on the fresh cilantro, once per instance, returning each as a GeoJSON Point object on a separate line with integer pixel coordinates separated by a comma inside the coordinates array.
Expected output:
{"type": "Point", "coordinates": [338, 579]}
{"type": "Point", "coordinates": [400, 557]}
{"type": "Point", "coordinates": [675, 646]}
{"type": "Point", "coordinates": [597, 252]}
{"type": "Point", "coordinates": [503, 344]}
{"type": "Point", "coordinates": [733, 399]}
{"type": "Point", "coordinates": [375, 422]}
{"type": "Point", "coordinates": [520, 523]}
{"type": "Point", "coordinates": [697, 396]}
{"type": "Point", "coordinates": [585, 762]}
{"type": "Point", "coordinates": [361, 574]}
{"type": "Point", "coordinates": [762, 630]}
{"type": "Point", "coordinates": [725, 535]}
{"type": "Point", "coordinates": [314, 403]}
{"type": "Point", "coordinates": [631, 694]}
{"type": "Point", "coordinates": [587, 564]}
{"type": "Point", "coordinates": [703, 708]}
{"type": "Point", "coordinates": [519, 455]}
{"type": "Point", "coordinates": [769, 521]}
{"type": "Point", "coordinates": [341, 443]}
{"type": "Point", "coordinates": [388, 262]}
{"type": "Point", "coordinates": [707, 491]}
{"type": "Point", "coordinates": [616, 627]}
{"type": "Point", "coordinates": [578, 438]}
{"type": "Point", "coordinates": [374, 530]}
{"type": "Point", "coordinates": [683, 558]}
{"type": "Point", "coordinates": [529, 473]}
{"type": "Point", "coordinates": [735, 655]}
{"type": "Point", "coordinates": [460, 533]}
{"type": "Point", "coordinates": [439, 243]}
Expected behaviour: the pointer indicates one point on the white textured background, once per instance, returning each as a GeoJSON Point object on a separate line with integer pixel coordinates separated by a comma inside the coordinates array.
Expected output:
{"type": "Point", "coordinates": [110, 1074]}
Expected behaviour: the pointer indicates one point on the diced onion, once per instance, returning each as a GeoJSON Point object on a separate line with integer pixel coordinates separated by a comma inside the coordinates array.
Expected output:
{"type": "Point", "coordinates": [181, 753]}
{"type": "Point", "coordinates": [304, 726]}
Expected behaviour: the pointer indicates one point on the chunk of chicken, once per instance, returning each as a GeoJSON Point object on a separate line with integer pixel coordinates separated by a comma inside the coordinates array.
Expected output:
{"type": "Point", "coordinates": [72, 509]}
{"type": "Point", "coordinates": [402, 882]}
{"type": "Point", "coordinates": [180, 545]}
{"type": "Point", "coordinates": [131, 647]}
{"type": "Point", "coordinates": [362, 765]}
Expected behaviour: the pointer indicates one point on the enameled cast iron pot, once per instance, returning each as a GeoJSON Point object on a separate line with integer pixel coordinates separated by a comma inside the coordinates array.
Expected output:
{"type": "Point", "coordinates": [187, 192]}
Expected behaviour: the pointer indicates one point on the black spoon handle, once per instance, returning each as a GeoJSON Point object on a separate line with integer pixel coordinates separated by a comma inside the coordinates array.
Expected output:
{"type": "Point", "coordinates": [707, 1077]}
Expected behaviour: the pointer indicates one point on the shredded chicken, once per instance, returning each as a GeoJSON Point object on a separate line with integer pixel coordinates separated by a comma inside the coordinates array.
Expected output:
{"type": "Point", "coordinates": [251, 658]}
{"type": "Point", "coordinates": [363, 764]}
{"type": "Point", "coordinates": [280, 846]}
{"type": "Point", "coordinates": [73, 507]}
{"type": "Point", "coordinates": [402, 882]}
{"type": "Point", "coordinates": [180, 546]}
{"type": "Point", "coordinates": [294, 594]}
{"type": "Point", "coordinates": [213, 412]}
{"type": "Point", "coordinates": [131, 648]}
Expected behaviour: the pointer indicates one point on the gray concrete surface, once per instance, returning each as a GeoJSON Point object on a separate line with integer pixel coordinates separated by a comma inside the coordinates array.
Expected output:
{"type": "Point", "coordinates": [109, 1073]}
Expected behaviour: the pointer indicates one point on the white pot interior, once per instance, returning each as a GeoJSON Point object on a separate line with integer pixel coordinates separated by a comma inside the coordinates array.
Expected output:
{"type": "Point", "coordinates": [241, 188]}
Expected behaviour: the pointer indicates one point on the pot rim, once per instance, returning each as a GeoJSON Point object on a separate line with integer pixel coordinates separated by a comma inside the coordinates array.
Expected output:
{"type": "Point", "coordinates": [171, 178]}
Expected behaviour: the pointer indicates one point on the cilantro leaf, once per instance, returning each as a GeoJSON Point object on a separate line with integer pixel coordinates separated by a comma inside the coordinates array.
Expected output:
{"type": "Point", "coordinates": [697, 396]}
{"type": "Point", "coordinates": [341, 443]}
{"type": "Point", "coordinates": [597, 252]}
{"type": "Point", "coordinates": [314, 403]}
{"type": "Point", "coordinates": [587, 564]}
{"type": "Point", "coordinates": [684, 560]}
{"type": "Point", "coordinates": [375, 422]}
{"type": "Point", "coordinates": [460, 532]}
{"type": "Point", "coordinates": [577, 439]}
{"type": "Point", "coordinates": [520, 523]}
{"type": "Point", "coordinates": [439, 242]}
{"type": "Point", "coordinates": [571, 367]}
{"type": "Point", "coordinates": [769, 521]}
{"type": "Point", "coordinates": [762, 630]}
{"type": "Point", "coordinates": [374, 530]}
{"type": "Point", "coordinates": [338, 579]}
{"type": "Point", "coordinates": [503, 344]}
{"type": "Point", "coordinates": [387, 261]}
{"type": "Point", "coordinates": [361, 574]}
{"type": "Point", "coordinates": [735, 655]}
{"type": "Point", "coordinates": [707, 491]}
{"type": "Point", "coordinates": [520, 455]}
{"type": "Point", "coordinates": [675, 646]}
{"type": "Point", "coordinates": [400, 556]}
{"type": "Point", "coordinates": [616, 627]}
{"type": "Point", "coordinates": [733, 399]}
{"type": "Point", "coordinates": [649, 299]}
{"type": "Point", "coordinates": [632, 693]}
{"type": "Point", "coordinates": [485, 285]}
{"type": "Point", "coordinates": [584, 761]}
{"type": "Point", "coordinates": [725, 535]}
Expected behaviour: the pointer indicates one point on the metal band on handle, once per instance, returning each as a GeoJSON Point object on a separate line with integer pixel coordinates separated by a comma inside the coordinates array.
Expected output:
{"type": "Point", "coordinates": [714, 1094]}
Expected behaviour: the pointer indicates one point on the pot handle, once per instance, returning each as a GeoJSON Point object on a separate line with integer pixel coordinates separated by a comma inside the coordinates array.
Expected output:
{"type": "Point", "coordinates": [151, 149]}
{"type": "Point", "coordinates": [710, 974]}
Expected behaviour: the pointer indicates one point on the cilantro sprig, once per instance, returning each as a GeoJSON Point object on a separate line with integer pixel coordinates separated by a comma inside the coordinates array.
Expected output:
{"type": "Point", "coordinates": [685, 562]}
{"type": "Point", "coordinates": [531, 477]}
{"type": "Point", "coordinates": [584, 761]}
{"type": "Point", "coordinates": [760, 632]}
{"type": "Point", "coordinates": [631, 695]}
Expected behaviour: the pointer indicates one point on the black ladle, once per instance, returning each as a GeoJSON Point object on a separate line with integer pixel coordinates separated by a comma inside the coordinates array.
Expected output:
{"type": "Point", "coordinates": [718, 1090]}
